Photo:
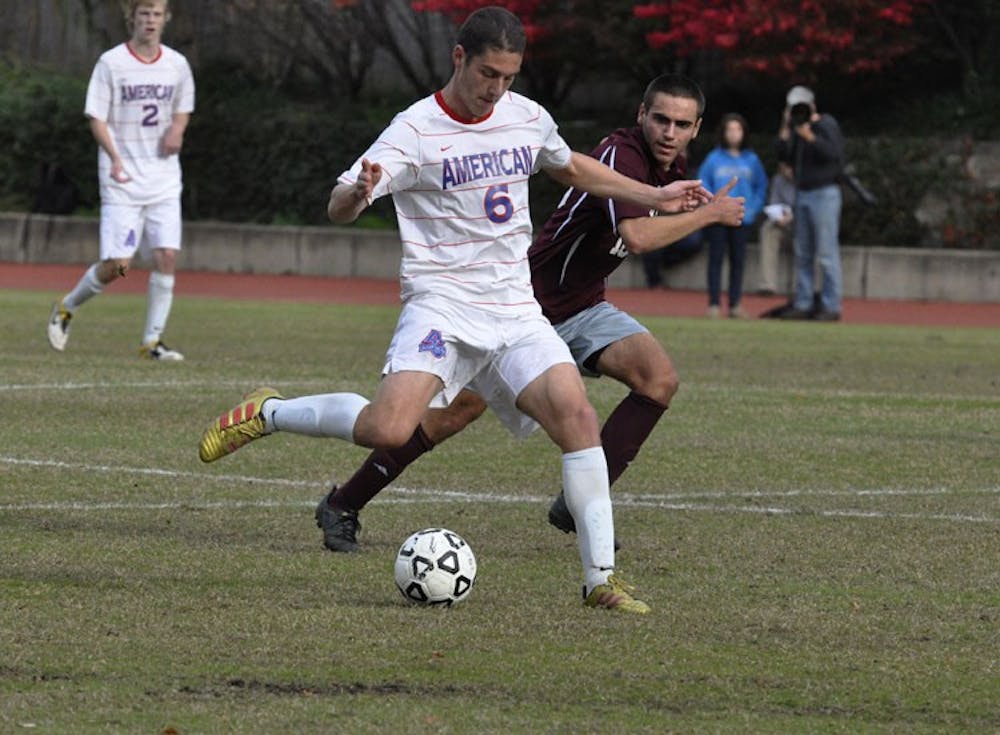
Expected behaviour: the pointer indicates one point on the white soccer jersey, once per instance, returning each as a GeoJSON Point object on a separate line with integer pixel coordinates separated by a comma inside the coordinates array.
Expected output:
{"type": "Point", "coordinates": [461, 195]}
{"type": "Point", "coordinates": [138, 99]}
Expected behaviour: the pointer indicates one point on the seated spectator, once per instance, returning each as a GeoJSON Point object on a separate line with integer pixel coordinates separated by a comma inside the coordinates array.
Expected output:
{"type": "Point", "coordinates": [776, 229]}
{"type": "Point", "coordinates": [654, 262]}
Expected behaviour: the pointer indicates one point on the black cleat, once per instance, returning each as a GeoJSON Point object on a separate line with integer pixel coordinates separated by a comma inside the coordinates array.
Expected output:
{"type": "Point", "coordinates": [561, 518]}
{"type": "Point", "coordinates": [340, 527]}
{"type": "Point", "coordinates": [559, 515]}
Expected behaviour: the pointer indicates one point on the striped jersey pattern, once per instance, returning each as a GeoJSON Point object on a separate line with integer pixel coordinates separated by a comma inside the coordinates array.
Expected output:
{"type": "Point", "coordinates": [138, 99]}
{"type": "Point", "coordinates": [460, 190]}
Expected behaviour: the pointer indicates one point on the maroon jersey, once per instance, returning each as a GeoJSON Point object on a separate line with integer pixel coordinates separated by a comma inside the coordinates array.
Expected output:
{"type": "Point", "coordinates": [579, 245]}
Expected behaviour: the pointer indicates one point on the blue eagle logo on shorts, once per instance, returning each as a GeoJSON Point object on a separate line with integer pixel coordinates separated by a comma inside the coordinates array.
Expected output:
{"type": "Point", "coordinates": [434, 344]}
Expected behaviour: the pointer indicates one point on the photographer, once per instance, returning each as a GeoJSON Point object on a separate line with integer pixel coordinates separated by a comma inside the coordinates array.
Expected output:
{"type": "Point", "coordinates": [814, 147]}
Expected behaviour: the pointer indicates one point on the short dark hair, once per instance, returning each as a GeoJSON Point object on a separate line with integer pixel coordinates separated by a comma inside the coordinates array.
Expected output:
{"type": "Point", "coordinates": [494, 28]}
{"type": "Point", "coordinates": [724, 123]}
{"type": "Point", "coordinates": [676, 85]}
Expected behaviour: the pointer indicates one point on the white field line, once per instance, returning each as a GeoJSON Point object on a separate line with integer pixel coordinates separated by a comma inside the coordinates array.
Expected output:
{"type": "Point", "coordinates": [155, 384]}
{"type": "Point", "coordinates": [109, 469]}
{"type": "Point", "coordinates": [693, 385]}
{"type": "Point", "coordinates": [837, 392]}
{"type": "Point", "coordinates": [960, 517]}
{"type": "Point", "coordinates": [399, 495]}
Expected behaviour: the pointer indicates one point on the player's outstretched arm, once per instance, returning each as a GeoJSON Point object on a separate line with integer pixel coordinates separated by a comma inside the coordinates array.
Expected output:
{"type": "Point", "coordinates": [348, 201]}
{"type": "Point", "coordinates": [643, 234]}
{"type": "Point", "coordinates": [593, 177]}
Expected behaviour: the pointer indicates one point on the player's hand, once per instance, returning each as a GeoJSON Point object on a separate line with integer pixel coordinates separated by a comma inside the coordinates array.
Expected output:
{"type": "Point", "coordinates": [118, 172]}
{"type": "Point", "coordinates": [699, 196]}
{"type": "Point", "coordinates": [729, 210]}
{"type": "Point", "coordinates": [681, 196]}
{"type": "Point", "coordinates": [371, 174]}
{"type": "Point", "coordinates": [172, 141]}
{"type": "Point", "coordinates": [805, 132]}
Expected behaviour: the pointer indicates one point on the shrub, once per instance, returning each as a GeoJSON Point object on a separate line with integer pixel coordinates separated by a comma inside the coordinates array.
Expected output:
{"type": "Point", "coordinates": [252, 154]}
{"type": "Point", "coordinates": [42, 121]}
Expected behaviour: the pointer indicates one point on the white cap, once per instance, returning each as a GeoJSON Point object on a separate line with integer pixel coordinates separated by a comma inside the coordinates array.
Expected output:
{"type": "Point", "coordinates": [800, 96]}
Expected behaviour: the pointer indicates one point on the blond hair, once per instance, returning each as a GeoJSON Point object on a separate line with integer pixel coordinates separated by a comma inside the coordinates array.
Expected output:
{"type": "Point", "coordinates": [130, 6]}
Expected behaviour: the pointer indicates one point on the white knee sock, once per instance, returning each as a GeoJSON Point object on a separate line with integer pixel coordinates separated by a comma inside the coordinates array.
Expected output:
{"type": "Point", "coordinates": [585, 484]}
{"type": "Point", "coordinates": [330, 414]}
{"type": "Point", "coordinates": [161, 297]}
{"type": "Point", "coordinates": [85, 289]}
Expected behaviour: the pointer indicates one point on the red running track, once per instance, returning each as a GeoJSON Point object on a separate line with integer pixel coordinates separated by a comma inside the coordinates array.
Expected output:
{"type": "Point", "coordinates": [373, 291]}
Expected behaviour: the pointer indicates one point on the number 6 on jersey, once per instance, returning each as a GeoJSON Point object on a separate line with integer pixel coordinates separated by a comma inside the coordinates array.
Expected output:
{"type": "Point", "coordinates": [499, 207]}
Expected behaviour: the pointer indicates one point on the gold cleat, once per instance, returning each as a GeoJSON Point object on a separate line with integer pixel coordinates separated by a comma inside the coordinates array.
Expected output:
{"type": "Point", "coordinates": [615, 594]}
{"type": "Point", "coordinates": [237, 427]}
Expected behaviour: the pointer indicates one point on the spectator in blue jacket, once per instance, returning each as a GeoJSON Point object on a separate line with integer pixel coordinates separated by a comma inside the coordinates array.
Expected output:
{"type": "Point", "coordinates": [731, 159]}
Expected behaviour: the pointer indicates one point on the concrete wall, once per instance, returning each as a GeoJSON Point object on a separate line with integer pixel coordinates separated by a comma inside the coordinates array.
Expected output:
{"type": "Point", "coordinates": [874, 273]}
{"type": "Point", "coordinates": [917, 274]}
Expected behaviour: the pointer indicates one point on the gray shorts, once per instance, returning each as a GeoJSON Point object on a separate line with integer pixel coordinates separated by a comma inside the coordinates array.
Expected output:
{"type": "Point", "coordinates": [593, 329]}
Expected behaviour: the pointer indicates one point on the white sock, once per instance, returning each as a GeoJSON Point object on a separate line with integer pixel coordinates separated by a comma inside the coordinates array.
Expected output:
{"type": "Point", "coordinates": [585, 484]}
{"type": "Point", "coordinates": [330, 414]}
{"type": "Point", "coordinates": [84, 290]}
{"type": "Point", "coordinates": [161, 298]}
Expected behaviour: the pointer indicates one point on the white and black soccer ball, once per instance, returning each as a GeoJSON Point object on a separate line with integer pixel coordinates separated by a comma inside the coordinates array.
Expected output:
{"type": "Point", "coordinates": [435, 567]}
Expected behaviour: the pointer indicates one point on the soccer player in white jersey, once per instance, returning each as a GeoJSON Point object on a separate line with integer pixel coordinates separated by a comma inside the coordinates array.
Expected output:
{"type": "Point", "coordinates": [139, 101]}
{"type": "Point", "coordinates": [457, 165]}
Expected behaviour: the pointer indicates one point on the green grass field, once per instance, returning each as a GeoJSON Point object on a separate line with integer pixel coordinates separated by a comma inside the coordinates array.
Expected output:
{"type": "Point", "coordinates": [816, 523]}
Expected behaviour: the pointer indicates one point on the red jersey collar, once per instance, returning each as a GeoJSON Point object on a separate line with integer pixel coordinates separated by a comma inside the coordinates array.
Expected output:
{"type": "Point", "coordinates": [439, 97]}
{"type": "Point", "coordinates": [159, 53]}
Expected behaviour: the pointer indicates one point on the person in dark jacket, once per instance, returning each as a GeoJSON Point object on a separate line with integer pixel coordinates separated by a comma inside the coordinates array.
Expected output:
{"type": "Point", "coordinates": [814, 146]}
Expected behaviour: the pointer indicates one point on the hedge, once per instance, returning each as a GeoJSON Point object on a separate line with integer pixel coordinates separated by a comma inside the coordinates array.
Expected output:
{"type": "Point", "coordinates": [41, 120]}
{"type": "Point", "coordinates": [254, 155]}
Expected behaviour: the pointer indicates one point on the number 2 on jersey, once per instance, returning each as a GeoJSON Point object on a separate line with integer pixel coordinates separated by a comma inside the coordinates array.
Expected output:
{"type": "Point", "coordinates": [499, 207]}
{"type": "Point", "coordinates": [149, 116]}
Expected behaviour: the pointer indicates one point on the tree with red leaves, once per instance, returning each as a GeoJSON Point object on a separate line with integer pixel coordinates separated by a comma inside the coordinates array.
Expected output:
{"type": "Point", "coordinates": [779, 37]}
{"type": "Point", "coordinates": [575, 40]}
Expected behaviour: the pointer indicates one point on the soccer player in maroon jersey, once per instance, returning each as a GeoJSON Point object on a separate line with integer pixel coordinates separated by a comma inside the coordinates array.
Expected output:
{"type": "Point", "coordinates": [457, 165]}
{"type": "Point", "coordinates": [584, 240]}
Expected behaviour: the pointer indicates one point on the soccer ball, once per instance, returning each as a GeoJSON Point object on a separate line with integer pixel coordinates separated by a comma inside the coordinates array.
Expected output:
{"type": "Point", "coordinates": [435, 567]}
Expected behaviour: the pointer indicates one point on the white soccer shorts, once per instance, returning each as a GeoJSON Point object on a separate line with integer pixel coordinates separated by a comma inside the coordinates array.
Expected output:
{"type": "Point", "coordinates": [128, 228]}
{"type": "Point", "coordinates": [493, 356]}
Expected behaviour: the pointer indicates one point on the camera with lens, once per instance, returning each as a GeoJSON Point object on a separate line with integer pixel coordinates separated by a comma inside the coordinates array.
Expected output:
{"type": "Point", "coordinates": [800, 114]}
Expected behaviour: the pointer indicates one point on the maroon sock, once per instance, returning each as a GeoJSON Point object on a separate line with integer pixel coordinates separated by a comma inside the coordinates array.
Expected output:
{"type": "Point", "coordinates": [626, 429]}
{"type": "Point", "coordinates": [379, 469]}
